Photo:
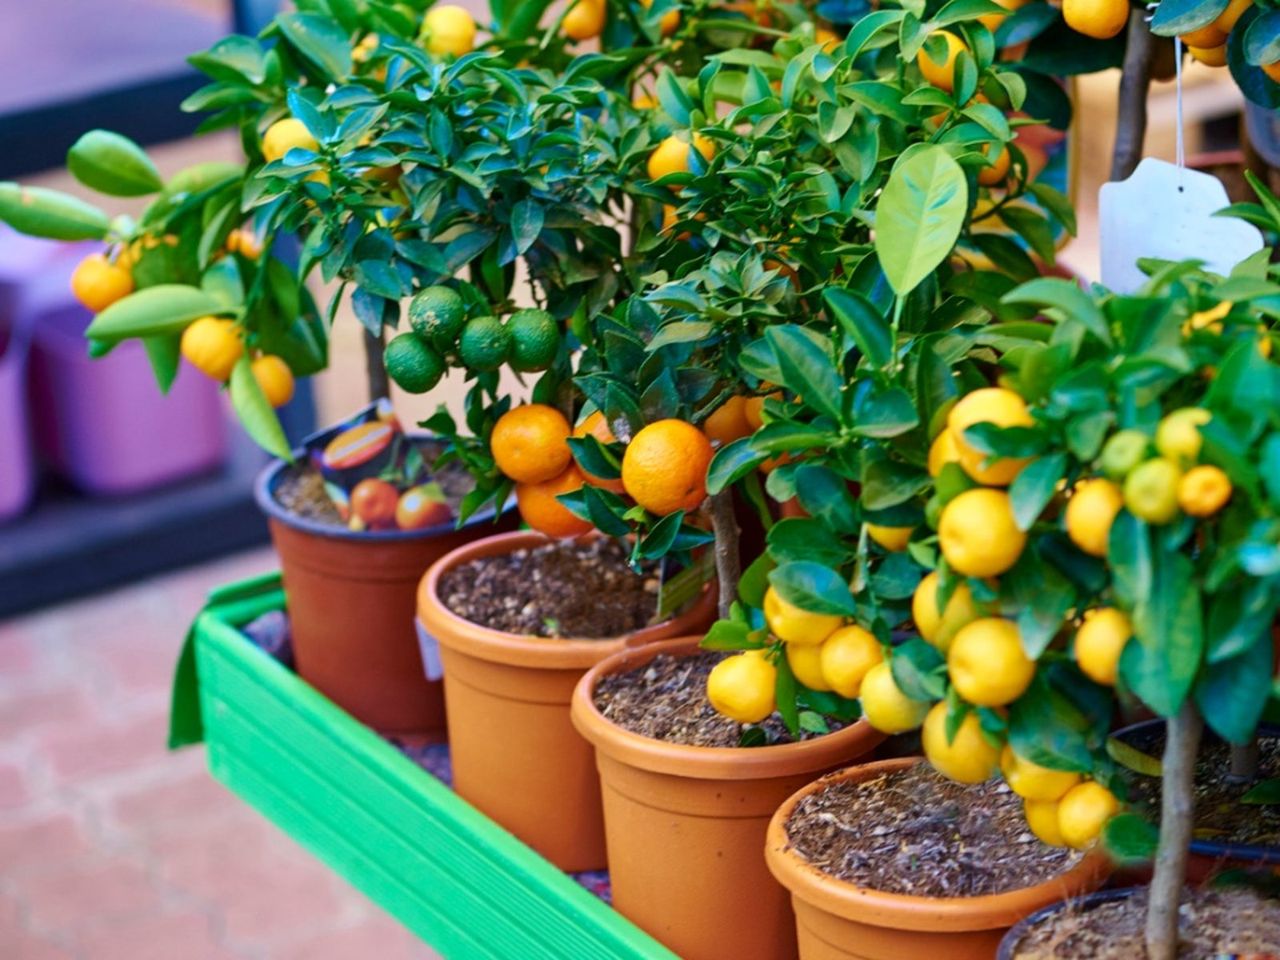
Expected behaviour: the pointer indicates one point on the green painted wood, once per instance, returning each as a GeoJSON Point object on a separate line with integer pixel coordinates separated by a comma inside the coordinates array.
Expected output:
{"type": "Point", "coordinates": [447, 872]}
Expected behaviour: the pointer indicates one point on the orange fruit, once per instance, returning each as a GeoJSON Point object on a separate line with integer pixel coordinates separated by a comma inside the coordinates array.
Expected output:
{"type": "Point", "coordinates": [941, 73]}
{"type": "Point", "coordinates": [1100, 19]}
{"type": "Point", "coordinates": [1210, 56]}
{"type": "Point", "coordinates": [672, 155]}
{"type": "Point", "coordinates": [996, 170]}
{"type": "Point", "coordinates": [992, 21]}
{"type": "Point", "coordinates": [596, 426]}
{"type": "Point", "coordinates": [213, 346]}
{"type": "Point", "coordinates": [98, 284]}
{"type": "Point", "coordinates": [670, 21]}
{"type": "Point", "coordinates": [1272, 70]}
{"type": "Point", "coordinates": [665, 467]}
{"type": "Point", "coordinates": [1226, 21]}
{"type": "Point", "coordinates": [584, 20]}
{"type": "Point", "coordinates": [1207, 36]}
{"type": "Point", "coordinates": [422, 507]}
{"type": "Point", "coordinates": [528, 443]}
{"type": "Point", "coordinates": [275, 378]}
{"type": "Point", "coordinates": [543, 512]}
{"type": "Point", "coordinates": [375, 501]}
{"type": "Point", "coordinates": [728, 422]}
{"type": "Point", "coordinates": [754, 409]}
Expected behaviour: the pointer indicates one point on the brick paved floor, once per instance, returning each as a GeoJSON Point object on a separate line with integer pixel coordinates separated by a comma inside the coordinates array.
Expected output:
{"type": "Point", "coordinates": [112, 848]}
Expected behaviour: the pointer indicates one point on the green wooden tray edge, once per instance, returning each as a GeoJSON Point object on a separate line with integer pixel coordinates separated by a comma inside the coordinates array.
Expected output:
{"type": "Point", "coordinates": [451, 875]}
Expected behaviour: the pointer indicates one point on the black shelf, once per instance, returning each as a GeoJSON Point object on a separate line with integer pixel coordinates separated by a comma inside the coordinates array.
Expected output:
{"type": "Point", "coordinates": [69, 545]}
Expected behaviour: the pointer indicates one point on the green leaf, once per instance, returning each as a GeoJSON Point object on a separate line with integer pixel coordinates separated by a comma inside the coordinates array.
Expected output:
{"type": "Point", "coordinates": [527, 218]}
{"type": "Point", "coordinates": [730, 635]}
{"type": "Point", "coordinates": [1160, 665]}
{"type": "Point", "coordinates": [255, 413]}
{"type": "Point", "coordinates": [1232, 693]}
{"type": "Point", "coordinates": [1265, 793]}
{"type": "Point", "coordinates": [320, 39]}
{"type": "Point", "coordinates": [1034, 487]}
{"type": "Point", "coordinates": [795, 538]}
{"type": "Point", "coordinates": [825, 496]}
{"type": "Point", "coordinates": [112, 164]}
{"type": "Point", "coordinates": [674, 99]}
{"type": "Point", "coordinates": [233, 58]}
{"type": "Point", "coordinates": [731, 463]}
{"type": "Point", "coordinates": [1174, 17]}
{"type": "Point", "coordinates": [154, 311]}
{"type": "Point", "coordinates": [811, 586]}
{"type": "Point", "coordinates": [919, 217]}
{"type": "Point", "coordinates": [1129, 839]}
{"type": "Point", "coordinates": [1061, 720]}
{"type": "Point", "coordinates": [786, 696]}
{"type": "Point", "coordinates": [807, 369]}
{"type": "Point", "coordinates": [919, 670]}
{"type": "Point", "coordinates": [40, 212]}
{"type": "Point", "coordinates": [1129, 554]}
{"type": "Point", "coordinates": [1131, 758]}
{"type": "Point", "coordinates": [755, 581]}
{"type": "Point", "coordinates": [1063, 299]}
{"type": "Point", "coordinates": [863, 322]}
{"type": "Point", "coordinates": [165, 354]}
{"type": "Point", "coordinates": [884, 413]}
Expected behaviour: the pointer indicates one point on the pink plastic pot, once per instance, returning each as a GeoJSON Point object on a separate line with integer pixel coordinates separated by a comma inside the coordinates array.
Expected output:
{"type": "Point", "coordinates": [103, 424]}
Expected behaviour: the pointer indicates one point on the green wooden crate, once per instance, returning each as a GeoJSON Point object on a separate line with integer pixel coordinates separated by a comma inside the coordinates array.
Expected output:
{"type": "Point", "coordinates": [450, 874]}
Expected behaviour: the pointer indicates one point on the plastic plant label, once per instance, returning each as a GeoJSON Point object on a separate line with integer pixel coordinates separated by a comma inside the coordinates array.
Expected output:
{"type": "Point", "coordinates": [430, 647]}
{"type": "Point", "coordinates": [1166, 212]}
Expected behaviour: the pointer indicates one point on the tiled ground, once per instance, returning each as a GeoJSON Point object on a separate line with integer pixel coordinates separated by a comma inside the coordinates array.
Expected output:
{"type": "Point", "coordinates": [112, 848]}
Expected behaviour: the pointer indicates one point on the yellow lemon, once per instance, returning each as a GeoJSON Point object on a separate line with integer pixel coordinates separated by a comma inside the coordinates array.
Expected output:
{"type": "Point", "coordinates": [1178, 435]}
{"type": "Point", "coordinates": [987, 664]}
{"type": "Point", "coordinates": [968, 758]}
{"type": "Point", "coordinates": [941, 73]}
{"type": "Point", "coordinates": [792, 625]}
{"type": "Point", "coordinates": [806, 664]}
{"type": "Point", "coordinates": [448, 29]}
{"type": "Point", "coordinates": [1090, 512]}
{"type": "Point", "coordinates": [742, 687]}
{"type": "Point", "coordinates": [1100, 19]}
{"type": "Point", "coordinates": [1083, 811]}
{"type": "Point", "coordinates": [885, 706]}
{"type": "Point", "coordinates": [1032, 781]}
{"type": "Point", "coordinates": [1203, 491]}
{"type": "Point", "coordinates": [284, 135]}
{"type": "Point", "coordinates": [942, 451]}
{"type": "Point", "coordinates": [1151, 491]}
{"type": "Point", "coordinates": [1042, 818]}
{"type": "Point", "coordinates": [1099, 643]}
{"type": "Point", "coordinates": [939, 626]}
{"type": "Point", "coordinates": [584, 20]}
{"type": "Point", "coordinates": [978, 535]}
{"type": "Point", "coordinates": [672, 155]}
{"type": "Point", "coordinates": [847, 656]}
{"type": "Point", "coordinates": [893, 539]}
{"type": "Point", "coordinates": [1210, 56]}
{"type": "Point", "coordinates": [995, 405]}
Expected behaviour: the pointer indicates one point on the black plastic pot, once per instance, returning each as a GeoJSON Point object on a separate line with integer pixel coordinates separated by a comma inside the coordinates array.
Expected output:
{"type": "Point", "coordinates": [1083, 904]}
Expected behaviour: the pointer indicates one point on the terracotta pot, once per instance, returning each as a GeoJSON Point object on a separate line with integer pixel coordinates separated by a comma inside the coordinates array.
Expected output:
{"type": "Point", "coordinates": [352, 597]}
{"type": "Point", "coordinates": [836, 920]}
{"type": "Point", "coordinates": [686, 824]}
{"type": "Point", "coordinates": [516, 756]}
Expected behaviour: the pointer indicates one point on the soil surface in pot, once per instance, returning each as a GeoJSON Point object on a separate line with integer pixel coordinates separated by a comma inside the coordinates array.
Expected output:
{"type": "Point", "coordinates": [1213, 923]}
{"type": "Point", "coordinates": [584, 590]}
{"type": "Point", "coordinates": [666, 700]}
{"type": "Point", "coordinates": [913, 831]}
{"type": "Point", "coordinates": [300, 489]}
{"type": "Point", "coordinates": [1220, 816]}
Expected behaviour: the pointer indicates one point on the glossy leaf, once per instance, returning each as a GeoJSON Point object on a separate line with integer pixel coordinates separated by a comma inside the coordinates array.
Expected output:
{"type": "Point", "coordinates": [154, 311]}
{"type": "Point", "coordinates": [811, 586]}
{"type": "Point", "coordinates": [863, 322]}
{"type": "Point", "coordinates": [41, 212]}
{"type": "Point", "coordinates": [113, 164]}
{"type": "Point", "coordinates": [920, 213]}
{"type": "Point", "coordinates": [255, 413]}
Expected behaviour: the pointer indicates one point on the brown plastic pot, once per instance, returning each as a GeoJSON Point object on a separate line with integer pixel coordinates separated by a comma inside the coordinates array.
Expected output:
{"type": "Point", "coordinates": [836, 920]}
{"type": "Point", "coordinates": [515, 754]}
{"type": "Point", "coordinates": [685, 825]}
{"type": "Point", "coordinates": [352, 597]}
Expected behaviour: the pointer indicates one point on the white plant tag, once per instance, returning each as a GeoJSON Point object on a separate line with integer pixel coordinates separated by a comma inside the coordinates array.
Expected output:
{"type": "Point", "coordinates": [430, 648]}
{"type": "Point", "coordinates": [1165, 212]}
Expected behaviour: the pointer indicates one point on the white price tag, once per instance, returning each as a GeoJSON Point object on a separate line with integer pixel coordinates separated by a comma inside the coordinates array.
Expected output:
{"type": "Point", "coordinates": [430, 648]}
{"type": "Point", "coordinates": [1165, 212]}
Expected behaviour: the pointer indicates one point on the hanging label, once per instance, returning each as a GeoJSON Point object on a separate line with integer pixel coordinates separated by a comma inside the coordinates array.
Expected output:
{"type": "Point", "coordinates": [430, 648]}
{"type": "Point", "coordinates": [1166, 212]}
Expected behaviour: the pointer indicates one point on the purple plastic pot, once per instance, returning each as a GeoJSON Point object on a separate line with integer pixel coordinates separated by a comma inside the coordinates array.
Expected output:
{"type": "Point", "coordinates": [17, 471]}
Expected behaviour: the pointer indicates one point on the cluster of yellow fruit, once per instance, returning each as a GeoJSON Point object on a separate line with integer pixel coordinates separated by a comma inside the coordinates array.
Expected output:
{"type": "Point", "coordinates": [664, 467]}
{"type": "Point", "coordinates": [941, 74]}
{"type": "Point", "coordinates": [214, 345]}
{"type": "Point", "coordinates": [823, 653]}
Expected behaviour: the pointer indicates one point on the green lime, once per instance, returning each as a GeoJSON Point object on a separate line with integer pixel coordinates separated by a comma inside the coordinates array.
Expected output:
{"type": "Point", "coordinates": [412, 364]}
{"type": "Point", "coordinates": [484, 344]}
{"type": "Point", "coordinates": [437, 314]}
{"type": "Point", "coordinates": [535, 338]}
{"type": "Point", "coordinates": [1122, 452]}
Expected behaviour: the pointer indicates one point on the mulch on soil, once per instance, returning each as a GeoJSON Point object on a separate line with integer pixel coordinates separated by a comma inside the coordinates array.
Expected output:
{"type": "Point", "coordinates": [1212, 923]}
{"type": "Point", "coordinates": [915, 832]}
{"type": "Point", "coordinates": [584, 590]}
{"type": "Point", "coordinates": [666, 700]}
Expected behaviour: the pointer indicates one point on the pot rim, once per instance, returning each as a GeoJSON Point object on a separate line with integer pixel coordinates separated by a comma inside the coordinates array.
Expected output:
{"type": "Point", "coordinates": [264, 486]}
{"type": "Point", "coordinates": [909, 911]}
{"type": "Point", "coordinates": [705, 763]}
{"type": "Point", "coordinates": [1023, 926]}
{"type": "Point", "coordinates": [548, 653]}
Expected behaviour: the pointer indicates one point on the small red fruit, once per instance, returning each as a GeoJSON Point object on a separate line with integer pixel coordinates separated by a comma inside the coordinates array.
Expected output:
{"type": "Point", "coordinates": [374, 501]}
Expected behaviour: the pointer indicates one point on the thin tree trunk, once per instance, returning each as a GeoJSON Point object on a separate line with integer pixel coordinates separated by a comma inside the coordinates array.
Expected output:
{"type": "Point", "coordinates": [1135, 81]}
{"type": "Point", "coordinates": [1244, 762]}
{"type": "Point", "coordinates": [1177, 800]}
{"type": "Point", "coordinates": [375, 368]}
{"type": "Point", "coordinates": [728, 562]}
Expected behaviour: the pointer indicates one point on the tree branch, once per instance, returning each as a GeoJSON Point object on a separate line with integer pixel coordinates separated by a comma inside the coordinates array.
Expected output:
{"type": "Point", "coordinates": [374, 367]}
{"type": "Point", "coordinates": [728, 562]}
{"type": "Point", "coordinates": [1135, 81]}
{"type": "Point", "coordinates": [1177, 812]}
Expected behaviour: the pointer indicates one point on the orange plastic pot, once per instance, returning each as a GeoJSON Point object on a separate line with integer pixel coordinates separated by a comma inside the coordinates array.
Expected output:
{"type": "Point", "coordinates": [515, 754]}
{"type": "Point", "coordinates": [352, 597]}
{"type": "Point", "coordinates": [836, 920]}
{"type": "Point", "coordinates": [685, 825]}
